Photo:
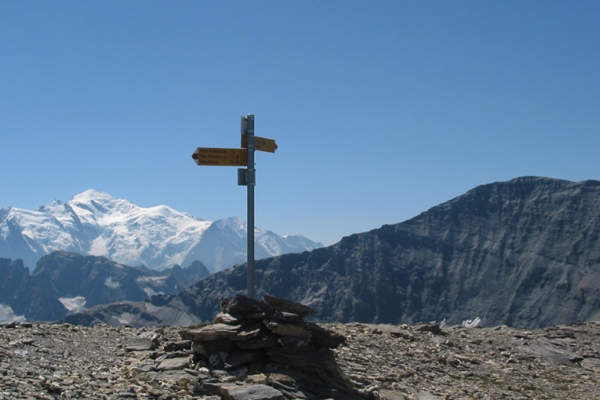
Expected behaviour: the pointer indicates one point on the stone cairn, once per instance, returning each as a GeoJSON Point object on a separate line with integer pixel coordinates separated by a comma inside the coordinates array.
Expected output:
{"type": "Point", "coordinates": [267, 350]}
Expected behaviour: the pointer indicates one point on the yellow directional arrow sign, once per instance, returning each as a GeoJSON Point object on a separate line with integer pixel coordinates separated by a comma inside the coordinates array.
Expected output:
{"type": "Point", "coordinates": [261, 144]}
{"type": "Point", "coordinates": [218, 156]}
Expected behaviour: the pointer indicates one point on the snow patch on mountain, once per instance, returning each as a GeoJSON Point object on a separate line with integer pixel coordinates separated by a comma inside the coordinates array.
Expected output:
{"type": "Point", "coordinates": [7, 315]}
{"type": "Point", "coordinates": [95, 223]}
{"type": "Point", "coordinates": [111, 284]}
{"type": "Point", "coordinates": [73, 304]}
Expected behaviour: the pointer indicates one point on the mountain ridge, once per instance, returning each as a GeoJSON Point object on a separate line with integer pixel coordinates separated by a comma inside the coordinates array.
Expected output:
{"type": "Point", "coordinates": [65, 282]}
{"type": "Point", "coordinates": [524, 252]}
{"type": "Point", "coordinates": [95, 223]}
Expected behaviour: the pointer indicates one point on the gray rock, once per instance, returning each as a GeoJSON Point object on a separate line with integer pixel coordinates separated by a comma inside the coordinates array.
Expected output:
{"type": "Point", "coordinates": [427, 396]}
{"type": "Point", "coordinates": [173, 364]}
{"type": "Point", "coordinates": [254, 392]}
{"type": "Point", "coordinates": [139, 344]}
{"type": "Point", "coordinates": [178, 345]}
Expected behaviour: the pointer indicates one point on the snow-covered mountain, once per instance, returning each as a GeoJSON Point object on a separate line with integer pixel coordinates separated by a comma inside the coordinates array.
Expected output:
{"type": "Point", "coordinates": [95, 223]}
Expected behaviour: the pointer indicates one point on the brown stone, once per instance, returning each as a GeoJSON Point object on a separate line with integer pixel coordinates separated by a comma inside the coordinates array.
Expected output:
{"type": "Point", "coordinates": [283, 329]}
{"type": "Point", "coordinates": [173, 364]}
{"type": "Point", "coordinates": [211, 332]}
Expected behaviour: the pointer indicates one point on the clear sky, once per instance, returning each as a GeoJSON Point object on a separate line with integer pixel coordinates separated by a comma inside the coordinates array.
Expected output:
{"type": "Point", "coordinates": [381, 109]}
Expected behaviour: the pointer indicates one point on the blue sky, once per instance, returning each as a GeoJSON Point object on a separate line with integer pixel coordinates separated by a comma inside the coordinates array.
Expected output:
{"type": "Point", "coordinates": [381, 109]}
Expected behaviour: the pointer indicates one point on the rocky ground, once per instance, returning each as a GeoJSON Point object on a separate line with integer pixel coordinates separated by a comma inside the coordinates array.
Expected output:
{"type": "Point", "coordinates": [424, 362]}
{"type": "Point", "coordinates": [420, 362]}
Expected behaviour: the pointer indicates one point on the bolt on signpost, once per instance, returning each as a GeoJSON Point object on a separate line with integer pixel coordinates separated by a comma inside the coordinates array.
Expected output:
{"type": "Point", "coordinates": [246, 177]}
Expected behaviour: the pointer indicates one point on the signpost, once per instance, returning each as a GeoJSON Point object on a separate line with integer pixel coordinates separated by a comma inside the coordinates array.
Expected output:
{"type": "Point", "coordinates": [260, 143]}
{"type": "Point", "coordinates": [212, 156]}
{"type": "Point", "coordinates": [246, 177]}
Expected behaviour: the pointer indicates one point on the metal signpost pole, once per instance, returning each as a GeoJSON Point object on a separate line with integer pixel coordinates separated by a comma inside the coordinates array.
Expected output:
{"type": "Point", "coordinates": [251, 182]}
{"type": "Point", "coordinates": [246, 177]}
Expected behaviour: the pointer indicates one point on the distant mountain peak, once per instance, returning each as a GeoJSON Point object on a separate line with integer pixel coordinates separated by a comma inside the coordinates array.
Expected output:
{"type": "Point", "coordinates": [95, 196]}
{"type": "Point", "coordinates": [95, 223]}
{"type": "Point", "coordinates": [100, 203]}
{"type": "Point", "coordinates": [92, 193]}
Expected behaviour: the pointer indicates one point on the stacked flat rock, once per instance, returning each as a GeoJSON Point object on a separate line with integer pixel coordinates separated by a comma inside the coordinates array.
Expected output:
{"type": "Point", "coordinates": [270, 347]}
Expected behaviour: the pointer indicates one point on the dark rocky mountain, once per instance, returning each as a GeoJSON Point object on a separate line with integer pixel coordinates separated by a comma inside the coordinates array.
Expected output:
{"type": "Point", "coordinates": [14, 276]}
{"type": "Point", "coordinates": [524, 253]}
{"type": "Point", "coordinates": [67, 282]}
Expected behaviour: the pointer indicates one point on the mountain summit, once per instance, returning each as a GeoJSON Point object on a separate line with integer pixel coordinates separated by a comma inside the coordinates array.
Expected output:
{"type": "Point", "coordinates": [95, 223]}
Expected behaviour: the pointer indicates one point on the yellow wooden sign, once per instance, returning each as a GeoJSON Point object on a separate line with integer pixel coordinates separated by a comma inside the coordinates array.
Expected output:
{"type": "Point", "coordinates": [261, 144]}
{"type": "Point", "coordinates": [218, 156]}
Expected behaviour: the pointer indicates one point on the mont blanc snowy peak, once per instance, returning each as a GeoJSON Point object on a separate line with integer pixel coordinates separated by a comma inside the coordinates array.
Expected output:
{"type": "Point", "coordinates": [95, 223]}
